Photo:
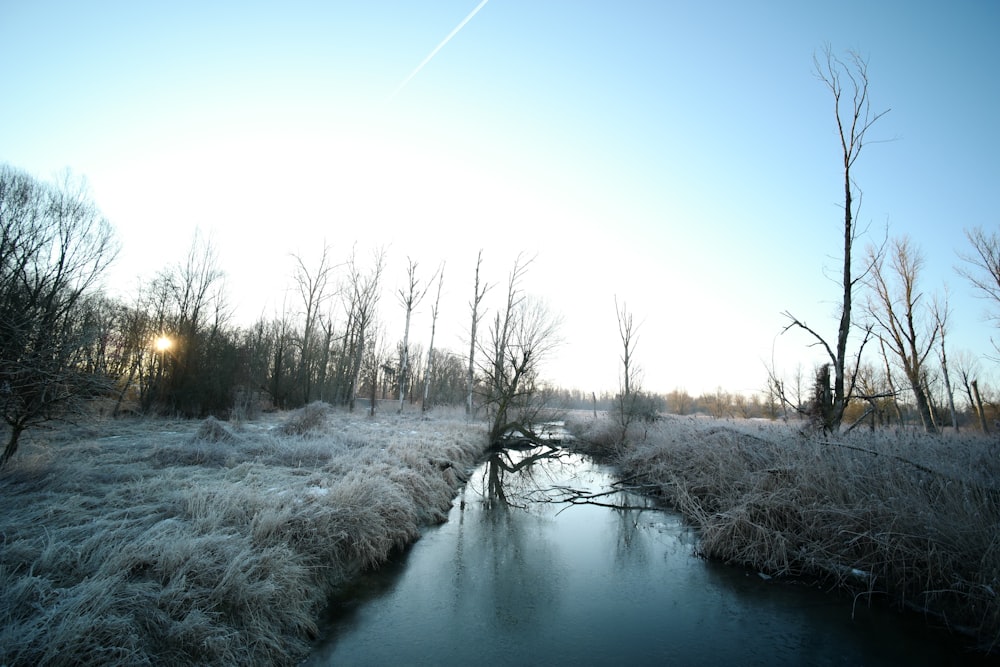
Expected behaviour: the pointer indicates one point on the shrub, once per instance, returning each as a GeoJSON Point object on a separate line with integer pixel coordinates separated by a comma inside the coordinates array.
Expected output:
{"type": "Point", "coordinates": [307, 420]}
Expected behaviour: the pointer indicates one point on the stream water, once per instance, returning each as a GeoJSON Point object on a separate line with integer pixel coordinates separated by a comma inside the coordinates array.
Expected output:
{"type": "Point", "coordinates": [530, 571]}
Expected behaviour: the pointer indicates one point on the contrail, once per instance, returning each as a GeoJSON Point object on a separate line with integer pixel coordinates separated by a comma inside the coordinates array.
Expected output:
{"type": "Point", "coordinates": [438, 48]}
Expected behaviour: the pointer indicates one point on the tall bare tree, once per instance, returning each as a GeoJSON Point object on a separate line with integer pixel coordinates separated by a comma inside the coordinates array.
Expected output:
{"type": "Point", "coordinates": [428, 372]}
{"type": "Point", "coordinates": [54, 246]}
{"type": "Point", "coordinates": [908, 329]}
{"type": "Point", "coordinates": [410, 297]}
{"type": "Point", "coordinates": [477, 296]}
{"type": "Point", "coordinates": [629, 392]}
{"type": "Point", "coordinates": [363, 291]}
{"type": "Point", "coordinates": [197, 312]}
{"type": "Point", "coordinates": [521, 336]}
{"type": "Point", "coordinates": [848, 84]}
{"type": "Point", "coordinates": [942, 312]}
{"type": "Point", "coordinates": [280, 336]}
{"type": "Point", "coordinates": [313, 289]}
{"type": "Point", "coordinates": [967, 369]}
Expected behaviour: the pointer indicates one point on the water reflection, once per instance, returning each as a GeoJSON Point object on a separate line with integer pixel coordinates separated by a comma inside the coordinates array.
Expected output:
{"type": "Point", "coordinates": [545, 560]}
{"type": "Point", "coordinates": [510, 475]}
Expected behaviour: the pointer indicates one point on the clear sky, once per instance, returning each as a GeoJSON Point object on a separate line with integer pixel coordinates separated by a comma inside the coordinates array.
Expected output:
{"type": "Point", "coordinates": [679, 155]}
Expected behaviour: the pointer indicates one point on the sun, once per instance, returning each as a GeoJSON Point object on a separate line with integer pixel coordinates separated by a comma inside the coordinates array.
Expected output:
{"type": "Point", "coordinates": [163, 344]}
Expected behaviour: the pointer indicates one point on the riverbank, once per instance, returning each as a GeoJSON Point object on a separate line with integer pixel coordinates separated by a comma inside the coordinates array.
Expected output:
{"type": "Point", "coordinates": [904, 518]}
{"type": "Point", "coordinates": [170, 542]}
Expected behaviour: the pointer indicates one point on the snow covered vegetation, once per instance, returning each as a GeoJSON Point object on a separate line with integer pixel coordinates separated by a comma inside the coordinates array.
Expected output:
{"type": "Point", "coordinates": [177, 542]}
{"type": "Point", "coordinates": [891, 516]}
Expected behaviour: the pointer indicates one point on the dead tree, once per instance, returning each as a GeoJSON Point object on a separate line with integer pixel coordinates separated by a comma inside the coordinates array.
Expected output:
{"type": "Point", "coordinates": [312, 287]}
{"type": "Point", "coordinates": [428, 372]}
{"type": "Point", "coordinates": [363, 291]}
{"type": "Point", "coordinates": [942, 323]}
{"type": "Point", "coordinates": [521, 335]}
{"type": "Point", "coordinates": [629, 392]}
{"type": "Point", "coordinates": [894, 305]}
{"type": "Point", "coordinates": [982, 269]}
{"type": "Point", "coordinates": [477, 296]}
{"type": "Point", "coordinates": [848, 83]}
{"type": "Point", "coordinates": [410, 298]}
{"type": "Point", "coordinates": [979, 406]}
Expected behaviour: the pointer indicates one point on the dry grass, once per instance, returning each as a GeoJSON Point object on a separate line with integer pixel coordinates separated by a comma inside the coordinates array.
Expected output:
{"type": "Point", "coordinates": [899, 516]}
{"type": "Point", "coordinates": [174, 543]}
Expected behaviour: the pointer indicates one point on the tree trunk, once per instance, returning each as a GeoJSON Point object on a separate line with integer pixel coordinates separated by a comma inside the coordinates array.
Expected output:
{"type": "Point", "coordinates": [430, 349]}
{"type": "Point", "coordinates": [947, 383]}
{"type": "Point", "coordinates": [12, 443]}
{"type": "Point", "coordinates": [356, 371]}
{"type": "Point", "coordinates": [836, 412]}
{"type": "Point", "coordinates": [470, 379]}
{"type": "Point", "coordinates": [979, 406]}
{"type": "Point", "coordinates": [404, 360]}
{"type": "Point", "coordinates": [923, 403]}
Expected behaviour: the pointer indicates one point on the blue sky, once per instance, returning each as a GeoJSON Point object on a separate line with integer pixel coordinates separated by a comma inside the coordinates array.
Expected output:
{"type": "Point", "coordinates": [679, 155]}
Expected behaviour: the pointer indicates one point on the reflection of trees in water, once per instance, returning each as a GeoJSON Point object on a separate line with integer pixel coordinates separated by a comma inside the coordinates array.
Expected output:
{"type": "Point", "coordinates": [511, 478]}
{"type": "Point", "coordinates": [521, 477]}
{"type": "Point", "coordinates": [522, 584]}
{"type": "Point", "coordinates": [520, 581]}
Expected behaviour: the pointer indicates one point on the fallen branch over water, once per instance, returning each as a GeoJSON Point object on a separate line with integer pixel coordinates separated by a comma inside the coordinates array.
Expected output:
{"type": "Point", "coordinates": [570, 496]}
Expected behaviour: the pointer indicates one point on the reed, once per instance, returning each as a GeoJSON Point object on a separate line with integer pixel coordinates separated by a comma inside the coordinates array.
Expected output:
{"type": "Point", "coordinates": [897, 516]}
{"type": "Point", "coordinates": [177, 543]}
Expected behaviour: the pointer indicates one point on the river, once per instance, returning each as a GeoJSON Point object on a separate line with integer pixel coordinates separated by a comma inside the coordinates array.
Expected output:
{"type": "Point", "coordinates": [530, 571]}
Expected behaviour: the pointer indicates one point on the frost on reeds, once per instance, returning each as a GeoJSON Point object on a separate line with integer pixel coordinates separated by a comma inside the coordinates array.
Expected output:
{"type": "Point", "coordinates": [902, 517]}
{"type": "Point", "coordinates": [306, 420]}
{"type": "Point", "coordinates": [171, 543]}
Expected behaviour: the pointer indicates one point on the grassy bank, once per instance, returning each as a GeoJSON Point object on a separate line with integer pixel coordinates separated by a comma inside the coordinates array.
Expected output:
{"type": "Point", "coordinates": [153, 542]}
{"type": "Point", "coordinates": [910, 519]}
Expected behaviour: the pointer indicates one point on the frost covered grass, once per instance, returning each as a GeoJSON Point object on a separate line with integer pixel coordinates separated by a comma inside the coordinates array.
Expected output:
{"type": "Point", "coordinates": [902, 517]}
{"type": "Point", "coordinates": [179, 543]}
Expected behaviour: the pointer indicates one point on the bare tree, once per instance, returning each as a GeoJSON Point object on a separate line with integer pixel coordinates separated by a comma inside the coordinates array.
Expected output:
{"type": "Point", "coordinates": [521, 335]}
{"type": "Point", "coordinates": [967, 368]}
{"type": "Point", "coordinates": [54, 246]}
{"type": "Point", "coordinates": [282, 357]}
{"type": "Point", "coordinates": [775, 393]}
{"type": "Point", "coordinates": [197, 310]}
{"type": "Point", "coordinates": [133, 336]}
{"type": "Point", "coordinates": [848, 83]}
{"type": "Point", "coordinates": [477, 296]}
{"type": "Point", "coordinates": [327, 325]}
{"type": "Point", "coordinates": [896, 309]}
{"type": "Point", "coordinates": [679, 402]}
{"type": "Point", "coordinates": [979, 406]}
{"type": "Point", "coordinates": [410, 297]}
{"type": "Point", "coordinates": [942, 313]}
{"type": "Point", "coordinates": [375, 359]}
{"type": "Point", "coordinates": [428, 373]}
{"type": "Point", "coordinates": [629, 392]}
{"type": "Point", "coordinates": [313, 289]}
{"type": "Point", "coordinates": [982, 268]}
{"type": "Point", "coordinates": [871, 390]}
{"type": "Point", "coordinates": [363, 291]}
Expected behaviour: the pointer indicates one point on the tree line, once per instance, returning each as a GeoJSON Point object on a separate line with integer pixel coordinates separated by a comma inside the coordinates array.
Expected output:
{"type": "Point", "coordinates": [174, 349]}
